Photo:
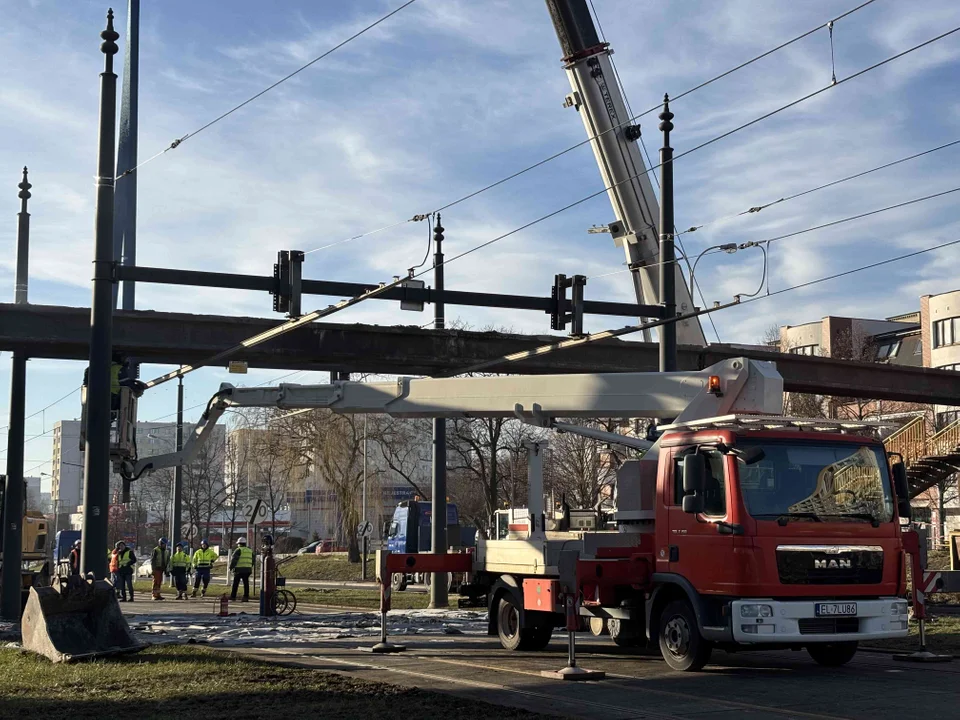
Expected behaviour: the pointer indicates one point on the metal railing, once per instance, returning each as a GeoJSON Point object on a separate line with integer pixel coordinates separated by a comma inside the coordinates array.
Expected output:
{"type": "Point", "coordinates": [946, 441]}
{"type": "Point", "coordinates": [910, 441]}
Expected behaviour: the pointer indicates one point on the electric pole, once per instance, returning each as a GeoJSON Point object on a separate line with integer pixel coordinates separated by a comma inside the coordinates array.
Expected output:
{"type": "Point", "coordinates": [13, 504]}
{"type": "Point", "coordinates": [438, 585]}
{"type": "Point", "coordinates": [668, 270]}
{"type": "Point", "coordinates": [96, 495]}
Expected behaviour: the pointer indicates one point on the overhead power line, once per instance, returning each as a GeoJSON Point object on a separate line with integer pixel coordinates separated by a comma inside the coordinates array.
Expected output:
{"type": "Point", "coordinates": [702, 145]}
{"type": "Point", "coordinates": [45, 408]}
{"type": "Point", "coordinates": [620, 332]}
{"type": "Point", "coordinates": [855, 217]}
{"type": "Point", "coordinates": [758, 208]}
{"type": "Point", "coordinates": [632, 118]}
{"type": "Point", "coordinates": [176, 143]}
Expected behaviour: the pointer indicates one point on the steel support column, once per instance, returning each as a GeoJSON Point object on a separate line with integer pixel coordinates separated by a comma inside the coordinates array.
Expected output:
{"type": "Point", "coordinates": [438, 491]}
{"type": "Point", "coordinates": [12, 537]}
{"type": "Point", "coordinates": [96, 495]}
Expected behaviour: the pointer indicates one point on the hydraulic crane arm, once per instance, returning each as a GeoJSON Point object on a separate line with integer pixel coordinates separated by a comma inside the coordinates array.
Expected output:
{"type": "Point", "coordinates": [731, 386]}
{"type": "Point", "coordinates": [597, 98]}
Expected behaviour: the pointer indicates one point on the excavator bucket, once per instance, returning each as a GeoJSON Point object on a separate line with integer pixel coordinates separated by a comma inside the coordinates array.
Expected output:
{"type": "Point", "coordinates": [76, 618]}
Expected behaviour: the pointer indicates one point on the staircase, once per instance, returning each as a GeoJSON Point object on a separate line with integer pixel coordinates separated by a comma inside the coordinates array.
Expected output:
{"type": "Point", "coordinates": [929, 458]}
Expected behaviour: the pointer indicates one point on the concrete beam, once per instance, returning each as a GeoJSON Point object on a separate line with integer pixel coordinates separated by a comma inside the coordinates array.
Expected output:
{"type": "Point", "coordinates": [174, 338]}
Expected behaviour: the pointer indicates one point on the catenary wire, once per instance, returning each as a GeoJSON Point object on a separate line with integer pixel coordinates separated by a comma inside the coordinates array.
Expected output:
{"type": "Point", "coordinates": [768, 241]}
{"type": "Point", "coordinates": [854, 217]}
{"type": "Point", "coordinates": [620, 332]}
{"type": "Point", "coordinates": [757, 208]}
{"type": "Point", "coordinates": [43, 409]}
{"type": "Point", "coordinates": [696, 148]}
{"type": "Point", "coordinates": [176, 143]}
{"type": "Point", "coordinates": [631, 119]}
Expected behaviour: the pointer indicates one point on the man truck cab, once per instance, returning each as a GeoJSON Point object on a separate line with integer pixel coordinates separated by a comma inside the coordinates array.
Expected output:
{"type": "Point", "coordinates": [774, 537]}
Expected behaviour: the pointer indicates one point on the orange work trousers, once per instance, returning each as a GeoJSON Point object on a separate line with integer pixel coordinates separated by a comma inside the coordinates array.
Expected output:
{"type": "Point", "coordinates": [157, 582]}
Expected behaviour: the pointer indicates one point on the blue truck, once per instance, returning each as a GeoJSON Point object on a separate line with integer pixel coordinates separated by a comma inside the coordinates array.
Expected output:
{"type": "Point", "coordinates": [62, 545]}
{"type": "Point", "coordinates": [409, 532]}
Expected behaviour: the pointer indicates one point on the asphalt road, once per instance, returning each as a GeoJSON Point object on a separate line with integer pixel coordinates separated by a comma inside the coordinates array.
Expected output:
{"type": "Point", "coordinates": [754, 685]}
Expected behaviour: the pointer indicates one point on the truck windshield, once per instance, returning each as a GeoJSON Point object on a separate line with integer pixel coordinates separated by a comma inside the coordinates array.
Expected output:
{"type": "Point", "coordinates": [815, 481]}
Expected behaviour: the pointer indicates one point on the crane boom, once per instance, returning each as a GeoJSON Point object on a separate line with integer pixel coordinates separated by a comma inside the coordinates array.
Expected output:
{"type": "Point", "coordinates": [600, 103]}
{"type": "Point", "coordinates": [736, 385]}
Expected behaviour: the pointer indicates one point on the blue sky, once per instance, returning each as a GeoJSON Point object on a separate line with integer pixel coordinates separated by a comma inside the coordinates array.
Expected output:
{"type": "Point", "coordinates": [446, 97]}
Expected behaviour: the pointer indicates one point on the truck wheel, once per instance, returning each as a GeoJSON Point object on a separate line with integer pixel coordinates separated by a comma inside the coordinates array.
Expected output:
{"type": "Point", "coordinates": [833, 654]}
{"type": "Point", "coordinates": [624, 633]}
{"type": "Point", "coordinates": [598, 626]}
{"type": "Point", "coordinates": [681, 644]}
{"type": "Point", "coordinates": [398, 582]}
{"type": "Point", "coordinates": [514, 637]}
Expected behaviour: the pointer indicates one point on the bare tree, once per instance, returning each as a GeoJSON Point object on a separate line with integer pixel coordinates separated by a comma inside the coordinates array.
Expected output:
{"type": "Point", "coordinates": [333, 444]}
{"type": "Point", "coordinates": [481, 449]}
{"type": "Point", "coordinates": [584, 469]}
{"type": "Point", "coordinates": [203, 489]}
{"type": "Point", "coordinates": [401, 445]}
{"type": "Point", "coordinates": [277, 463]}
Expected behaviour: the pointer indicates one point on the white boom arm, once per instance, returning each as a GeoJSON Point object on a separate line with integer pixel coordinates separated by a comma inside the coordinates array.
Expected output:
{"type": "Point", "coordinates": [597, 98]}
{"type": "Point", "coordinates": [745, 386]}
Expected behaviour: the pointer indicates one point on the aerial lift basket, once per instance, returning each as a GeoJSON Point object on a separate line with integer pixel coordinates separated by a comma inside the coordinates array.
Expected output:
{"type": "Point", "coordinates": [76, 618]}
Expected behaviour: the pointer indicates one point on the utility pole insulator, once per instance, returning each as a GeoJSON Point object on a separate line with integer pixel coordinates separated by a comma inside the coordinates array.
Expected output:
{"type": "Point", "coordinates": [631, 133]}
{"type": "Point", "coordinates": [288, 284]}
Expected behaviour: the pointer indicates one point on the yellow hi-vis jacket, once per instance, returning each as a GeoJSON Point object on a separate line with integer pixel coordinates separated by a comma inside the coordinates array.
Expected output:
{"type": "Point", "coordinates": [204, 558]}
{"type": "Point", "coordinates": [242, 558]}
{"type": "Point", "coordinates": [180, 560]}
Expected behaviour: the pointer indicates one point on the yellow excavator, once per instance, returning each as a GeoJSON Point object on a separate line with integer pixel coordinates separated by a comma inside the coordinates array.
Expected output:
{"type": "Point", "coordinates": [35, 564]}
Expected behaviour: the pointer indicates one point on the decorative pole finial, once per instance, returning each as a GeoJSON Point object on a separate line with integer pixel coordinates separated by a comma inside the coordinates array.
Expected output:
{"type": "Point", "coordinates": [24, 186]}
{"type": "Point", "coordinates": [110, 37]}
{"type": "Point", "coordinates": [666, 116]}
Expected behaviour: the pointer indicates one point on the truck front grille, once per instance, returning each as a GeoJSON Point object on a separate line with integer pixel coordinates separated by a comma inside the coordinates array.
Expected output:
{"type": "Point", "coordinates": [814, 567]}
{"type": "Point", "coordinates": [828, 626]}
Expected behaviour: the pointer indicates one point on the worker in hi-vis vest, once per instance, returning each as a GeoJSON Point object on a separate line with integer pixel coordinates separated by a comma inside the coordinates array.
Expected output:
{"type": "Point", "coordinates": [203, 560]}
{"type": "Point", "coordinates": [241, 562]}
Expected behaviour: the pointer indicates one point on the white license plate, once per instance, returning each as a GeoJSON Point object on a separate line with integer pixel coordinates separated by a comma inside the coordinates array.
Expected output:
{"type": "Point", "coordinates": [834, 609]}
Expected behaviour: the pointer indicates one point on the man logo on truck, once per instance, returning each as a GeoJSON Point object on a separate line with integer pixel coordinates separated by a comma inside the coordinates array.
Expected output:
{"type": "Point", "coordinates": [841, 564]}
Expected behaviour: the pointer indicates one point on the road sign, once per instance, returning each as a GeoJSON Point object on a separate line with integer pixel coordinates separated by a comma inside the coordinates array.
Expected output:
{"type": "Point", "coordinates": [255, 511]}
{"type": "Point", "coordinates": [365, 529]}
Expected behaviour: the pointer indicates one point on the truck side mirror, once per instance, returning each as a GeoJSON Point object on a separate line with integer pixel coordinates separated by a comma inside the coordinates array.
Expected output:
{"type": "Point", "coordinates": [694, 474]}
{"type": "Point", "coordinates": [694, 483]}
{"type": "Point", "coordinates": [902, 488]}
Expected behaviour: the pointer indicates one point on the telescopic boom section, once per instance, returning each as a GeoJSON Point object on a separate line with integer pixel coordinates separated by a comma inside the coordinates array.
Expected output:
{"type": "Point", "coordinates": [737, 385]}
{"type": "Point", "coordinates": [597, 98]}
